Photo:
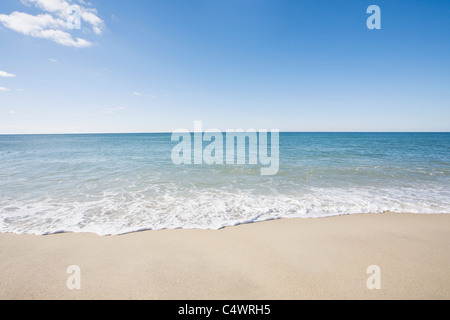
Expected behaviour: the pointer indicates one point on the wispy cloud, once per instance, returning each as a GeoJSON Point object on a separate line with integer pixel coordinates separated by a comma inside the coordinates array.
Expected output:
{"type": "Point", "coordinates": [42, 26]}
{"type": "Point", "coordinates": [60, 9]}
{"type": "Point", "coordinates": [53, 60]}
{"type": "Point", "coordinates": [4, 89]}
{"type": "Point", "coordinates": [137, 94]}
{"type": "Point", "coordinates": [114, 110]}
{"type": "Point", "coordinates": [114, 18]}
{"type": "Point", "coordinates": [52, 24]}
{"type": "Point", "coordinates": [5, 74]}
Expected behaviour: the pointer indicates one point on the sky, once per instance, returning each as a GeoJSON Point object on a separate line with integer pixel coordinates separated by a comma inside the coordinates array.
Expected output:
{"type": "Point", "coordinates": [160, 65]}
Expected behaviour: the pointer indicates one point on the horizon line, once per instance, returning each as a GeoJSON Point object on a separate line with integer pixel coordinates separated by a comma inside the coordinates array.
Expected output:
{"type": "Point", "coordinates": [191, 131]}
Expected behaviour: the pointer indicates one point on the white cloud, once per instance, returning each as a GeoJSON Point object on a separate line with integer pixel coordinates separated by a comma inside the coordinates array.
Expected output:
{"type": "Point", "coordinates": [53, 24]}
{"type": "Point", "coordinates": [42, 26]}
{"type": "Point", "coordinates": [28, 24]}
{"type": "Point", "coordinates": [4, 89]}
{"type": "Point", "coordinates": [53, 60]}
{"type": "Point", "coordinates": [137, 94]}
{"type": "Point", "coordinates": [60, 7]}
{"type": "Point", "coordinates": [90, 16]}
{"type": "Point", "coordinates": [5, 74]}
{"type": "Point", "coordinates": [12, 112]}
{"type": "Point", "coordinates": [48, 5]}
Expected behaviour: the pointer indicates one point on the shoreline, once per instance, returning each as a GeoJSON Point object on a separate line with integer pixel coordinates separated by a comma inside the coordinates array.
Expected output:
{"type": "Point", "coordinates": [213, 229]}
{"type": "Point", "coordinates": [324, 258]}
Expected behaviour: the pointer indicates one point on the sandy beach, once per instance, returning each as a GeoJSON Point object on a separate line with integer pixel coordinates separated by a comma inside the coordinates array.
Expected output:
{"type": "Point", "coordinates": [324, 258]}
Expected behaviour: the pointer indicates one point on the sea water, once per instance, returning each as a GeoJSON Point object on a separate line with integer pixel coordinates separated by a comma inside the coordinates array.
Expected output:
{"type": "Point", "coordinates": [120, 183]}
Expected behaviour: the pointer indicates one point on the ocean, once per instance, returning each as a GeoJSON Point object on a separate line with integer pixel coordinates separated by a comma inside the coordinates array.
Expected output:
{"type": "Point", "coordinates": [112, 184]}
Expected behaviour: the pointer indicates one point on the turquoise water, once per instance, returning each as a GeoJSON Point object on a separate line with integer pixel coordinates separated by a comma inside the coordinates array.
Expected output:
{"type": "Point", "coordinates": [120, 183]}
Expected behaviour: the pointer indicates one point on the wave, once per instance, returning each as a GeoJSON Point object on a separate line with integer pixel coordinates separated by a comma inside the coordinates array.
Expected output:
{"type": "Point", "coordinates": [121, 212]}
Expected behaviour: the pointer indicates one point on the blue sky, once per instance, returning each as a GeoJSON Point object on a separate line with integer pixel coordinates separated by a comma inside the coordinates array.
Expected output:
{"type": "Point", "coordinates": [150, 66]}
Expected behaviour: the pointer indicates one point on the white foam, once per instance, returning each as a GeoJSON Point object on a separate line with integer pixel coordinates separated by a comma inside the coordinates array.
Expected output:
{"type": "Point", "coordinates": [122, 212]}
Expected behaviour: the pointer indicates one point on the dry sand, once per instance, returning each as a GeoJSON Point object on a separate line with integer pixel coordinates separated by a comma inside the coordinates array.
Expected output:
{"type": "Point", "coordinates": [323, 258]}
